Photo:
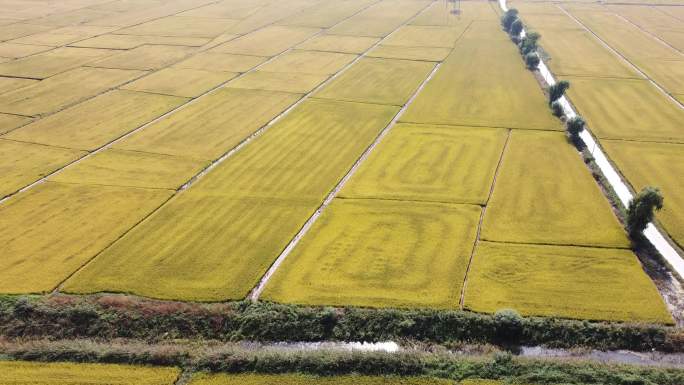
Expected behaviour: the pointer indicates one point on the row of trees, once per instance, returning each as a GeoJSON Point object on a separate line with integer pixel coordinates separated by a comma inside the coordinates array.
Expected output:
{"type": "Point", "coordinates": [642, 207]}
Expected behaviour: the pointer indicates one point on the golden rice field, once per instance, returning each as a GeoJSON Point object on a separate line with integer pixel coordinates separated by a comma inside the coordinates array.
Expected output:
{"type": "Point", "coordinates": [175, 150]}
{"type": "Point", "coordinates": [34, 373]}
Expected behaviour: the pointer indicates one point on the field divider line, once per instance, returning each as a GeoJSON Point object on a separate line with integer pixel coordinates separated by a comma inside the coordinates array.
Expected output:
{"type": "Point", "coordinates": [191, 101]}
{"type": "Point", "coordinates": [646, 32]}
{"type": "Point", "coordinates": [621, 56]}
{"type": "Point", "coordinates": [256, 292]}
{"type": "Point", "coordinates": [661, 242]}
{"type": "Point", "coordinates": [461, 300]}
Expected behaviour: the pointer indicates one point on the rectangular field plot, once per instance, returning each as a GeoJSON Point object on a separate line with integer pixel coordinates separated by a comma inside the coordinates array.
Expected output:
{"type": "Point", "coordinates": [198, 247]}
{"type": "Point", "coordinates": [544, 194]}
{"type": "Point", "coordinates": [436, 54]}
{"type": "Point", "coordinates": [577, 52]}
{"type": "Point", "coordinates": [278, 81]}
{"type": "Point", "coordinates": [62, 90]}
{"type": "Point", "coordinates": [381, 254]}
{"type": "Point", "coordinates": [655, 164]}
{"type": "Point", "coordinates": [627, 109]}
{"type": "Point", "coordinates": [10, 84]}
{"type": "Point", "coordinates": [326, 14]}
{"type": "Point", "coordinates": [360, 26]}
{"type": "Point", "coordinates": [14, 51]}
{"type": "Point", "coordinates": [23, 163]}
{"type": "Point", "coordinates": [146, 57]}
{"type": "Point", "coordinates": [180, 82]}
{"type": "Point", "coordinates": [132, 169]}
{"type": "Point", "coordinates": [268, 41]}
{"type": "Point", "coordinates": [132, 41]}
{"type": "Point", "coordinates": [212, 61]}
{"type": "Point", "coordinates": [309, 62]}
{"type": "Point", "coordinates": [382, 81]}
{"type": "Point", "coordinates": [430, 163]}
{"type": "Point", "coordinates": [304, 155]}
{"type": "Point", "coordinates": [11, 122]}
{"type": "Point", "coordinates": [38, 373]}
{"type": "Point", "coordinates": [244, 212]}
{"type": "Point", "coordinates": [97, 121]}
{"type": "Point", "coordinates": [426, 36]}
{"type": "Point", "coordinates": [339, 43]}
{"type": "Point", "coordinates": [211, 126]}
{"type": "Point", "coordinates": [563, 281]}
{"type": "Point", "coordinates": [50, 231]}
{"type": "Point", "coordinates": [297, 379]}
{"type": "Point", "coordinates": [50, 63]}
{"type": "Point", "coordinates": [183, 26]}
{"type": "Point", "coordinates": [483, 84]}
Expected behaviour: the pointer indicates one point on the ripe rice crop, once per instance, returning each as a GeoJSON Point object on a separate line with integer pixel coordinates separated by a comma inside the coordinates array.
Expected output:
{"type": "Point", "coordinates": [268, 41]}
{"type": "Point", "coordinates": [185, 26]}
{"type": "Point", "coordinates": [297, 379]}
{"type": "Point", "coordinates": [382, 81]}
{"type": "Point", "coordinates": [563, 281]}
{"type": "Point", "coordinates": [655, 164]}
{"type": "Point", "coordinates": [279, 81]}
{"type": "Point", "coordinates": [309, 62]}
{"type": "Point", "coordinates": [380, 253]}
{"type": "Point", "coordinates": [180, 82]}
{"type": "Point", "coordinates": [339, 43]}
{"type": "Point", "coordinates": [410, 53]}
{"type": "Point", "coordinates": [50, 63]}
{"type": "Point", "coordinates": [97, 121]}
{"type": "Point", "coordinates": [146, 57]}
{"type": "Point", "coordinates": [543, 194]}
{"type": "Point", "coordinates": [430, 163]}
{"type": "Point", "coordinates": [226, 62]}
{"type": "Point", "coordinates": [37, 373]}
{"type": "Point", "coordinates": [51, 230]}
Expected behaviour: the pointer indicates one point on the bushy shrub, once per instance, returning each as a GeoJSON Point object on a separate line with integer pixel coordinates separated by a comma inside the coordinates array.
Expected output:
{"type": "Point", "coordinates": [528, 43]}
{"type": "Point", "coordinates": [557, 90]}
{"type": "Point", "coordinates": [574, 126]}
{"type": "Point", "coordinates": [557, 109]}
{"type": "Point", "coordinates": [516, 28]}
{"type": "Point", "coordinates": [532, 60]}
{"type": "Point", "coordinates": [641, 210]}
{"type": "Point", "coordinates": [508, 18]}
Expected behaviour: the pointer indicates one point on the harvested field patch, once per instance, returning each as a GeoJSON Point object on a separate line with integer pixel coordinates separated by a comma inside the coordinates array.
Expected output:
{"type": "Point", "coordinates": [47, 234]}
{"type": "Point", "coordinates": [381, 254]}
{"type": "Point", "coordinates": [132, 41]}
{"type": "Point", "coordinates": [339, 43]}
{"type": "Point", "coordinates": [37, 373]}
{"type": "Point", "coordinates": [430, 163]}
{"type": "Point", "coordinates": [131, 169]}
{"type": "Point", "coordinates": [297, 379]}
{"type": "Point", "coordinates": [543, 194]}
{"type": "Point", "coordinates": [211, 126]}
{"type": "Point", "coordinates": [244, 212]}
{"type": "Point", "coordinates": [10, 122]}
{"type": "Point", "coordinates": [627, 109]}
{"type": "Point", "coordinates": [97, 121]}
{"type": "Point", "coordinates": [577, 52]}
{"type": "Point", "coordinates": [410, 53]}
{"type": "Point", "coordinates": [300, 83]}
{"type": "Point", "coordinates": [268, 41]}
{"type": "Point", "coordinates": [483, 84]}
{"type": "Point", "coordinates": [309, 62]}
{"type": "Point", "coordinates": [425, 36]}
{"type": "Point", "coordinates": [62, 90]}
{"type": "Point", "coordinates": [23, 163]}
{"type": "Point", "coordinates": [15, 51]}
{"type": "Point", "coordinates": [563, 281]}
{"type": "Point", "coordinates": [382, 81]}
{"type": "Point", "coordinates": [655, 164]}
{"type": "Point", "coordinates": [305, 154]}
{"type": "Point", "coordinates": [146, 57]}
{"type": "Point", "coordinates": [180, 82]}
{"type": "Point", "coordinates": [180, 26]}
{"type": "Point", "coordinates": [212, 61]}
{"type": "Point", "coordinates": [50, 63]}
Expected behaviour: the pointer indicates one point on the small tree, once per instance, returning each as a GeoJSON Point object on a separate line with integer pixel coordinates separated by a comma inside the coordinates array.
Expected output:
{"type": "Point", "coordinates": [516, 28]}
{"type": "Point", "coordinates": [532, 60]}
{"type": "Point", "coordinates": [642, 209]}
{"type": "Point", "coordinates": [557, 109]}
{"type": "Point", "coordinates": [529, 43]}
{"type": "Point", "coordinates": [557, 90]}
{"type": "Point", "coordinates": [508, 18]}
{"type": "Point", "coordinates": [574, 126]}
